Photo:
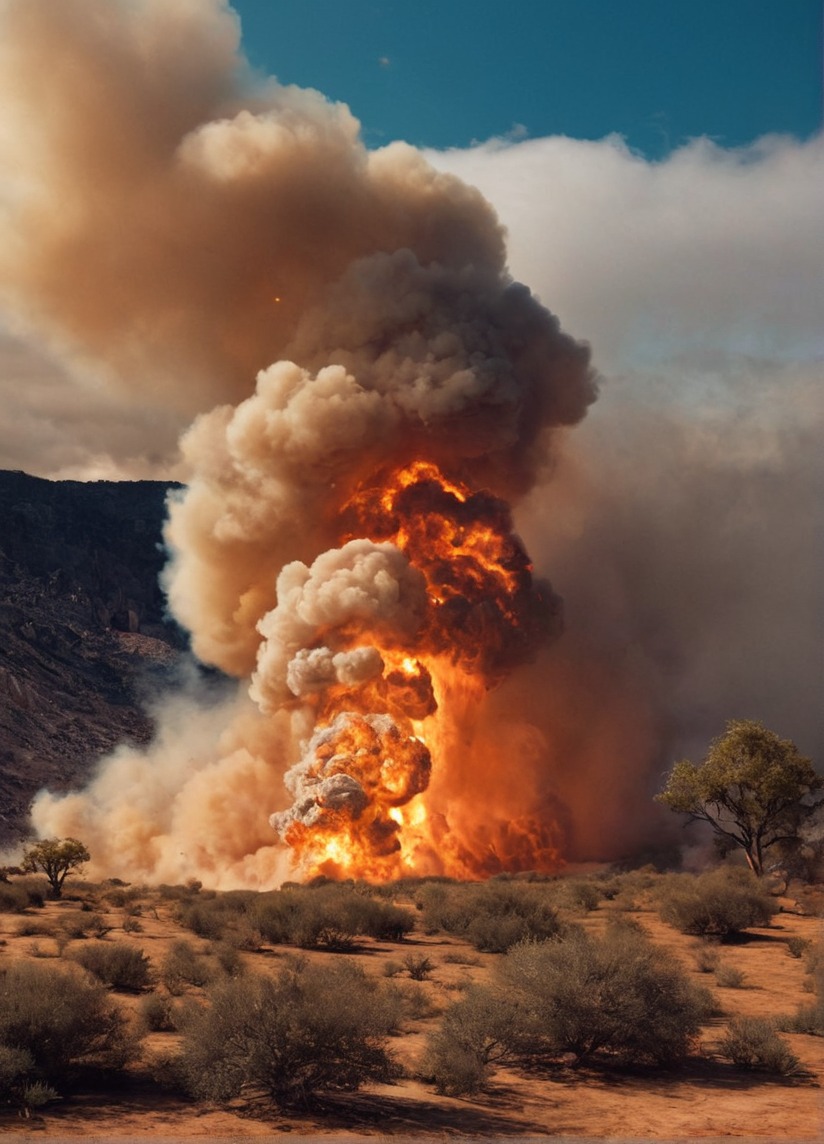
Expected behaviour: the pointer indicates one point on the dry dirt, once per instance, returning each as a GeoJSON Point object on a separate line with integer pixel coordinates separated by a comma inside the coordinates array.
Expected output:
{"type": "Point", "coordinates": [705, 1099]}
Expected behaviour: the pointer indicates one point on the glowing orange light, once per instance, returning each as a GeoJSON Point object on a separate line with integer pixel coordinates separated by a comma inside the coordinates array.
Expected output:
{"type": "Point", "coordinates": [484, 613]}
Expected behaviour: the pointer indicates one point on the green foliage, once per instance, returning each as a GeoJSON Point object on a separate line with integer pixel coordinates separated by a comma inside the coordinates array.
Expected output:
{"type": "Point", "coordinates": [492, 916]}
{"type": "Point", "coordinates": [753, 1043]}
{"type": "Point", "coordinates": [618, 994]}
{"type": "Point", "coordinates": [56, 858]}
{"type": "Point", "coordinates": [475, 1033]}
{"type": "Point", "coordinates": [721, 902]}
{"type": "Point", "coordinates": [753, 789]}
{"type": "Point", "coordinates": [307, 1030]}
{"type": "Point", "coordinates": [60, 1020]}
{"type": "Point", "coordinates": [118, 964]}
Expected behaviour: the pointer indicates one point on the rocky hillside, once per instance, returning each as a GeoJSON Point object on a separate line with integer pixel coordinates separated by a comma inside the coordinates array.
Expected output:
{"type": "Point", "coordinates": [83, 636]}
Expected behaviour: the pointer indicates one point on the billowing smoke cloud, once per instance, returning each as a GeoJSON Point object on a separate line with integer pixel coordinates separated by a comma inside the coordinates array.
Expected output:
{"type": "Point", "coordinates": [679, 520]}
{"type": "Point", "coordinates": [343, 542]}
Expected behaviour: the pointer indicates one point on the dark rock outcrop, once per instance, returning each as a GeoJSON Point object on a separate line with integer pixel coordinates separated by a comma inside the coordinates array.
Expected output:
{"type": "Point", "coordinates": [84, 640]}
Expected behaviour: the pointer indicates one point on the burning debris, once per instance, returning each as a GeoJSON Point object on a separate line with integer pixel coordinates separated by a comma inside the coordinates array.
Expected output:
{"type": "Point", "coordinates": [345, 545]}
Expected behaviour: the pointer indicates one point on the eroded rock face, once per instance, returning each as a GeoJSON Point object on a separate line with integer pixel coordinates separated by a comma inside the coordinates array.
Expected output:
{"type": "Point", "coordinates": [83, 636]}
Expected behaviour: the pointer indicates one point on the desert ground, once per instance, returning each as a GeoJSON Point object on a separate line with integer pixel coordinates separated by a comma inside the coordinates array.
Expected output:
{"type": "Point", "coordinates": [705, 1098]}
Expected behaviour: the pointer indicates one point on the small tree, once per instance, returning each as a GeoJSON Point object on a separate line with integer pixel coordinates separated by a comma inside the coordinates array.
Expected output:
{"type": "Point", "coordinates": [56, 858]}
{"type": "Point", "coordinates": [754, 789]}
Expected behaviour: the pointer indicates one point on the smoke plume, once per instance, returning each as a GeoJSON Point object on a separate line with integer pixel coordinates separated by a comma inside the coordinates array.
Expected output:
{"type": "Point", "coordinates": [370, 392]}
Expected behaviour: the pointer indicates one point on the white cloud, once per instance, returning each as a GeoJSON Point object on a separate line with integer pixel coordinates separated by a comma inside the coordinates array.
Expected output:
{"type": "Point", "coordinates": [708, 248]}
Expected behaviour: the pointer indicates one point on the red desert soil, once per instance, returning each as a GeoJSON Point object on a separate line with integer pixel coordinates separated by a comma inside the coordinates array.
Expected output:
{"type": "Point", "coordinates": [705, 1099]}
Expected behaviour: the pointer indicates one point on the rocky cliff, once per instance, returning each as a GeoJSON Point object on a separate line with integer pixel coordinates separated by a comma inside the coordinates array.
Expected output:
{"type": "Point", "coordinates": [83, 636]}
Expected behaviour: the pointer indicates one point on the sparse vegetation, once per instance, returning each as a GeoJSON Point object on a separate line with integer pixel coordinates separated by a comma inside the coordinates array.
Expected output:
{"type": "Point", "coordinates": [753, 1043]}
{"type": "Point", "coordinates": [419, 966]}
{"type": "Point", "coordinates": [618, 994]}
{"type": "Point", "coordinates": [58, 1020]}
{"type": "Point", "coordinates": [728, 977]}
{"type": "Point", "coordinates": [492, 916]}
{"type": "Point", "coordinates": [118, 964]}
{"type": "Point", "coordinates": [476, 1032]}
{"type": "Point", "coordinates": [719, 903]}
{"type": "Point", "coordinates": [183, 966]}
{"type": "Point", "coordinates": [597, 992]}
{"type": "Point", "coordinates": [291, 1036]}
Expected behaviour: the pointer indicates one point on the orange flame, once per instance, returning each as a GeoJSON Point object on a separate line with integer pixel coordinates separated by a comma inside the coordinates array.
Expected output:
{"type": "Point", "coordinates": [363, 803]}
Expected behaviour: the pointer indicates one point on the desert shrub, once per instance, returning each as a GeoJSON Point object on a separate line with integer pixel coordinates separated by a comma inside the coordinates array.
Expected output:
{"type": "Point", "coordinates": [208, 919]}
{"type": "Point", "coordinates": [97, 926]}
{"type": "Point", "coordinates": [753, 1043]}
{"type": "Point", "coordinates": [414, 1003]}
{"type": "Point", "coordinates": [418, 966]}
{"type": "Point", "coordinates": [328, 915]}
{"type": "Point", "coordinates": [74, 927]}
{"type": "Point", "coordinates": [273, 916]}
{"type": "Point", "coordinates": [323, 918]}
{"type": "Point", "coordinates": [475, 1033]}
{"type": "Point", "coordinates": [16, 1068]}
{"type": "Point", "coordinates": [132, 925]}
{"type": "Point", "coordinates": [807, 1019]}
{"type": "Point", "coordinates": [228, 959]}
{"type": "Point", "coordinates": [579, 894]}
{"type": "Point", "coordinates": [721, 902]}
{"type": "Point", "coordinates": [118, 964]}
{"type": "Point", "coordinates": [810, 1018]}
{"type": "Point", "coordinates": [797, 946]}
{"type": "Point", "coordinates": [461, 957]}
{"type": "Point", "coordinates": [618, 994]}
{"type": "Point", "coordinates": [728, 977]}
{"type": "Point", "coordinates": [31, 927]}
{"type": "Point", "coordinates": [707, 958]}
{"type": "Point", "coordinates": [492, 916]}
{"type": "Point", "coordinates": [17, 1084]}
{"type": "Point", "coordinates": [305, 1031]}
{"type": "Point", "coordinates": [182, 966]}
{"type": "Point", "coordinates": [156, 1013]}
{"type": "Point", "coordinates": [61, 1020]}
{"type": "Point", "coordinates": [13, 898]}
{"type": "Point", "coordinates": [392, 967]}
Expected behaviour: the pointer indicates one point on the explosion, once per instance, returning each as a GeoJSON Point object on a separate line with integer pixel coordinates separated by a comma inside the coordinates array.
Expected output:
{"type": "Point", "coordinates": [466, 582]}
{"type": "Point", "coordinates": [344, 546]}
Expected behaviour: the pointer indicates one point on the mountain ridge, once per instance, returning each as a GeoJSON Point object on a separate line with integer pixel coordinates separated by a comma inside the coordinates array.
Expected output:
{"type": "Point", "coordinates": [85, 639]}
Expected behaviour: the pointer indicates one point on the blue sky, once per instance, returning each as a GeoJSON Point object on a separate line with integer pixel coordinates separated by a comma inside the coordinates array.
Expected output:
{"type": "Point", "coordinates": [445, 73]}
